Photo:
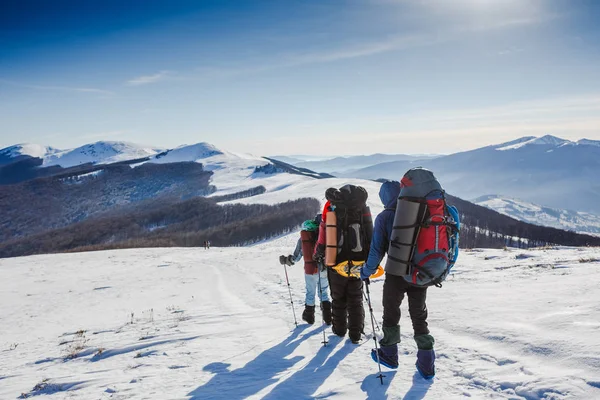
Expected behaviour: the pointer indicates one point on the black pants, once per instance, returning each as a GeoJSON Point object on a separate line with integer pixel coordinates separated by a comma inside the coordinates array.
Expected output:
{"type": "Point", "coordinates": [347, 305]}
{"type": "Point", "coordinates": [394, 289]}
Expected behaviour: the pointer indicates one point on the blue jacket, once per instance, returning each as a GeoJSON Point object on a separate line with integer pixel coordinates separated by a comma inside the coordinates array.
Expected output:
{"type": "Point", "coordinates": [388, 193]}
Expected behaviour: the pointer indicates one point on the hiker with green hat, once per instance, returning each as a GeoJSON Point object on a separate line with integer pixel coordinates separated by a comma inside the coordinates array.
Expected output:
{"type": "Point", "coordinates": [314, 274]}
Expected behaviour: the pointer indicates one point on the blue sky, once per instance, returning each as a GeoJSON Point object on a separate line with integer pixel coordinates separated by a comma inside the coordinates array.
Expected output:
{"type": "Point", "coordinates": [289, 77]}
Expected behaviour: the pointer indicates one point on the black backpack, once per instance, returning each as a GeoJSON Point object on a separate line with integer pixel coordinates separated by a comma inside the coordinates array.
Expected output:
{"type": "Point", "coordinates": [354, 222]}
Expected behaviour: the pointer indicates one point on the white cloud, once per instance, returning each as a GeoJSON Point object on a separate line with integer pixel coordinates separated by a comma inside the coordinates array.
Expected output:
{"type": "Point", "coordinates": [149, 79]}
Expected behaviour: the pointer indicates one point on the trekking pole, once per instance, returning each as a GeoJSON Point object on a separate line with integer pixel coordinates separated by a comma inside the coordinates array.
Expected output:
{"type": "Point", "coordinates": [290, 290]}
{"type": "Point", "coordinates": [380, 376]}
{"type": "Point", "coordinates": [376, 323]}
{"type": "Point", "coordinates": [321, 302]}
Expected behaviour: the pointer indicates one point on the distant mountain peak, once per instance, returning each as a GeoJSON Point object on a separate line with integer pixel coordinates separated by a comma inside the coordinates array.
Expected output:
{"type": "Point", "coordinates": [191, 152]}
{"type": "Point", "coordinates": [28, 149]}
{"type": "Point", "coordinates": [546, 140]}
{"type": "Point", "coordinates": [549, 139]}
{"type": "Point", "coordinates": [102, 152]}
{"type": "Point", "coordinates": [588, 142]}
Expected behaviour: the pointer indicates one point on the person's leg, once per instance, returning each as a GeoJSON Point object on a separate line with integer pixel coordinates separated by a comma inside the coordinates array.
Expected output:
{"type": "Point", "coordinates": [337, 284]}
{"type": "Point", "coordinates": [325, 303]}
{"type": "Point", "coordinates": [417, 308]}
{"type": "Point", "coordinates": [324, 285]}
{"type": "Point", "coordinates": [393, 293]}
{"type": "Point", "coordinates": [356, 311]}
{"type": "Point", "coordinates": [308, 314]}
{"type": "Point", "coordinates": [311, 287]}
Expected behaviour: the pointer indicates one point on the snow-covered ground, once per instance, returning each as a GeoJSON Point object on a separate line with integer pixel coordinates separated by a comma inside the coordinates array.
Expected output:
{"type": "Point", "coordinates": [217, 324]}
{"type": "Point", "coordinates": [576, 221]}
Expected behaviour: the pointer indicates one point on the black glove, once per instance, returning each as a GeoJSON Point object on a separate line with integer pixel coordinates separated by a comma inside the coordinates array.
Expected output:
{"type": "Point", "coordinates": [282, 260]}
{"type": "Point", "coordinates": [289, 260]}
{"type": "Point", "coordinates": [319, 255]}
{"type": "Point", "coordinates": [366, 281]}
{"type": "Point", "coordinates": [322, 266]}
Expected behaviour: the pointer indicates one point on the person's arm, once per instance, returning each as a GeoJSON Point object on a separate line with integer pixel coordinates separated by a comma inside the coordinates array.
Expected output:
{"type": "Point", "coordinates": [379, 245]}
{"type": "Point", "coordinates": [297, 256]}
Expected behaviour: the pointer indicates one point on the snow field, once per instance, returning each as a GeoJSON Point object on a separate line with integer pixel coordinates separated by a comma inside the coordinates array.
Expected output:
{"type": "Point", "coordinates": [216, 324]}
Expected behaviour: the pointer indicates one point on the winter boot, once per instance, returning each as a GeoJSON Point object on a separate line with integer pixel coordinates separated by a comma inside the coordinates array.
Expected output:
{"type": "Point", "coordinates": [326, 312]}
{"type": "Point", "coordinates": [354, 336]}
{"type": "Point", "coordinates": [388, 356]}
{"type": "Point", "coordinates": [308, 314]}
{"type": "Point", "coordinates": [426, 363]}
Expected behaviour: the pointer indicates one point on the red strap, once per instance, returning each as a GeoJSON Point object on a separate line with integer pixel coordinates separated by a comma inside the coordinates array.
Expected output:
{"type": "Point", "coordinates": [406, 182]}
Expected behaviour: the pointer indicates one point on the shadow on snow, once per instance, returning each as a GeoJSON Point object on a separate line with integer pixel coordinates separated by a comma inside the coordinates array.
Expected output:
{"type": "Point", "coordinates": [303, 383]}
{"type": "Point", "coordinates": [374, 389]}
{"type": "Point", "coordinates": [255, 375]}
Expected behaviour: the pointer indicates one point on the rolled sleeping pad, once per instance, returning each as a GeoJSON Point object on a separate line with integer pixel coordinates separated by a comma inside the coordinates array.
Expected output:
{"type": "Point", "coordinates": [367, 224]}
{"type": "Point", "coordinates": [409, 215]}
{"type": "Point", "coordinates": [308, 248]}
{"type": "Point", "coordinates": [331, 239]}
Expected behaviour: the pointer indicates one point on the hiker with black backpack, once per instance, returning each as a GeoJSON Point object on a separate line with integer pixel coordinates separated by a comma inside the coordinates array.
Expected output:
{"type": "Point", "coordinates": [315, 275]}
{"type": "Point", "coordinates": [419, 233]}
{"type": "Point", "coordinates": [343, 244]}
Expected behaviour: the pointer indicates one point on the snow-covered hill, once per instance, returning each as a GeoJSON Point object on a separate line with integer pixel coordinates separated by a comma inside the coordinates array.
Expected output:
{"type": "Point", "coordinates": [235, 172]}
{"type": "Point", "coordinates": [11, 153]}
{"type": "Point", "coordinates": [552, 171]}
{"type": "Point", "coordinates": [217, 324]}
{"type": "Point", "coordinates": [104, 152]}
{"type": "Point", "coordinates": [524, 211]}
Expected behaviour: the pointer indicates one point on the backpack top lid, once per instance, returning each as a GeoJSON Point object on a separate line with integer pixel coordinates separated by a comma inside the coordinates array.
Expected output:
{"type": "Point", "coordinates": [419, 182]}
{"type": "Point", "coordinates": [350, 196]}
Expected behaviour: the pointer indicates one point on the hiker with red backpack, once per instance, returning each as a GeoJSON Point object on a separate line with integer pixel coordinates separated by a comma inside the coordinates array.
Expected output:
{"type": "Point", "coordinates": [343, 244]}
{"type": "Point", "coordinates": [419, 233]}
{"type": "Point", "coordinates": [315, 275]}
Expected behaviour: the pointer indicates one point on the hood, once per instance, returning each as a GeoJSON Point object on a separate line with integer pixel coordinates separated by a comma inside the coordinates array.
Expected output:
{"type": "Point", "coordinates": [388, 193]}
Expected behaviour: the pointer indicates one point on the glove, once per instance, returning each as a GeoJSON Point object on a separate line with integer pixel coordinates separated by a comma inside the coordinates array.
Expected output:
{"type": "Point", "coordinates": [319, 255]}
{"type": "Point", "coordinates": [365, 274]}
{"type": "Point", "coordinates": [282, 260]}
{"type": "Point", "coordinates": [322, 266]}
{"type": "Point", "coordinates": [289, 261]}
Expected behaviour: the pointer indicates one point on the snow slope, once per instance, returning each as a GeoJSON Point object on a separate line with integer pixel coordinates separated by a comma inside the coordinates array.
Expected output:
{"type": "Point", "coordinates": [28, 149]}
{"type": "Point", "coordinates": [235, 172]}
{"type": "Point", "coordinates": [577, 221]}
{"type": "Point", "coordinates": [104, 152]}
{"type": "Point", "coordinates": [232, 172]}
{"type": "Point", "coordinates": [217, 324]}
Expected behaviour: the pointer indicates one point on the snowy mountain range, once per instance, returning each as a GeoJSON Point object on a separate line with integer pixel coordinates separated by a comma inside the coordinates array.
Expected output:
{"type": "Point", "coordinates": [576, 221]}
{"type": "Point", "coordinates": [103, 152]}
{"type": "Point", "coordinates": [348, 165]}
{"type": "Point", "coordinates": [555, 172]}
{"type": "Point", "coordinates": [551, 171]}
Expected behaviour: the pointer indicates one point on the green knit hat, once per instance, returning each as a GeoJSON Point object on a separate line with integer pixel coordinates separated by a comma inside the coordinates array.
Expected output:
{"type": "Point", "coordinates": [310, 225]}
